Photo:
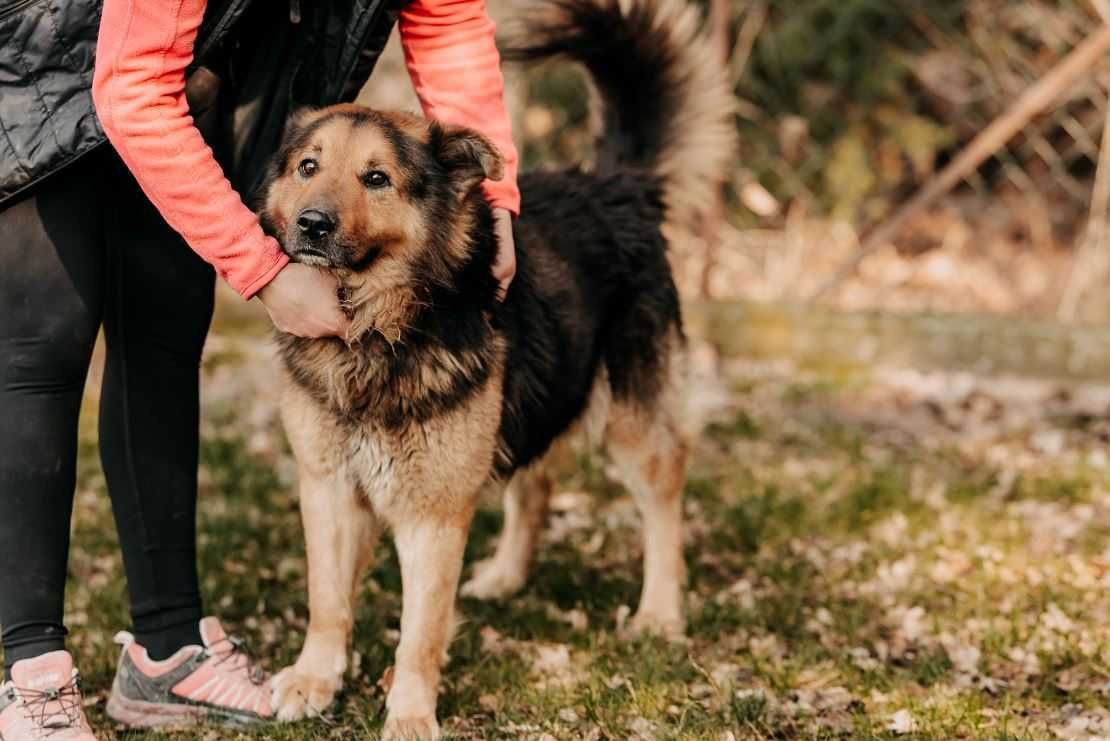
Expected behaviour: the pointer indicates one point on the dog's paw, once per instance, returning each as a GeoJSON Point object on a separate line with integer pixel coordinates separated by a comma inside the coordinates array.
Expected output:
{"type": "Point", "coordinates": [410, 729]}
{"type": "Point", "coordinates": [296, 695]}
{"type": "Point", "coordinates": [493, 580]}
{"type": "Point", "coordinates": [669, 625]}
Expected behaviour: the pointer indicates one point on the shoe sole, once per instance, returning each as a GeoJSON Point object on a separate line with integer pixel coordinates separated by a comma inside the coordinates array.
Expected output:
{"type": "Point", "coordinates": [140, 714]}
{"type": "Point", "coordinates": [168, 716]}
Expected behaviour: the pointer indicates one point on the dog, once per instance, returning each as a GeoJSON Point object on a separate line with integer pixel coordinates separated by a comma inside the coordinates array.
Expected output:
{"type": "Point", "coordinates": [440, 392]}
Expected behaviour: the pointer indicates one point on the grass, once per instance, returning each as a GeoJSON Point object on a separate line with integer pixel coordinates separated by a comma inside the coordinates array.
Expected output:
{"type": "Point", "coordinates": [852, 574]}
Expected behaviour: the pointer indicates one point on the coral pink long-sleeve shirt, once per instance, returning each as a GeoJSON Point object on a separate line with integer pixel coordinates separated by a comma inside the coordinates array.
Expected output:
{"type": "Point", "coordinates": [139, 91]}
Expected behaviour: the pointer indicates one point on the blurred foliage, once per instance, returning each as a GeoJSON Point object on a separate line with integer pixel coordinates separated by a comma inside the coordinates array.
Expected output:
{"type": "Point", "coordinates": [841, 70]}
{"type": "Point", "coordinates": [815, 54]}
{"type": "Point", "coordinates": [556, 123]}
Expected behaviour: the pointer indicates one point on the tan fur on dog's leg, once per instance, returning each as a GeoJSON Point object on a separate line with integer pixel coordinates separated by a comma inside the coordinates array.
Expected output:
{"type": "Point", "coordinates": [504, 573]}
{"type": "Point", "coordinates": [431, 555]}
{"type": "Point", "coordinates": [340, 534]}
{"type": "Point", "coordinates": [651, 457]}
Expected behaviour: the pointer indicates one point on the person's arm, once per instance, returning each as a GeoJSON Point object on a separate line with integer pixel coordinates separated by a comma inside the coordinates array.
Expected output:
{"type": "Point", "coordinates": [456, 71]}
{"type": "Point", "coordinates": [143, 49]}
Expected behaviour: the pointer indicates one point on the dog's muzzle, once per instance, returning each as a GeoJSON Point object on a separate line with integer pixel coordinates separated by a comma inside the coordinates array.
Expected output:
{"type": "Point", "coordinates": [315, 225]}
{"type": "Point", "coordinates": [313, 239]}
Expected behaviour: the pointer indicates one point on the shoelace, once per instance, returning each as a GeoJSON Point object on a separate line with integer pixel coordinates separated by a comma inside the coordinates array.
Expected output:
{"type": "Point", "coordinates": [53, 710]}
{"type": "Point", "coordinates": [238, 649]}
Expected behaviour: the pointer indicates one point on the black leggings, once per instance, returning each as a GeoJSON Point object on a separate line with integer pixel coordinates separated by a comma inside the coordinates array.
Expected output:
{"type": "Point", "coordinates": [84, 249]}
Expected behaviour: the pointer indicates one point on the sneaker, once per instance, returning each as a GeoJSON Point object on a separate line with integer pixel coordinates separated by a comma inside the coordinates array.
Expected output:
{"type": "Point", "coordinates": [214, 682]}
{"type": "Point", "coordinates": [43, 701]}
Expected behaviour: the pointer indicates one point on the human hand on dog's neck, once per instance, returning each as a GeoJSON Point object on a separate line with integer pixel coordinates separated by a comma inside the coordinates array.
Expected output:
{"type": "Point", "coordinates": [304, 301]}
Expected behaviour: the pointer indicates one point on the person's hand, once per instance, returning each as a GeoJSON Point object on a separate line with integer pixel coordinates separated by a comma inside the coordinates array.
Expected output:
{"type": "Point", "coordinates": [304, 301]}
{"type": "Point", "coordinates": [504, 266]}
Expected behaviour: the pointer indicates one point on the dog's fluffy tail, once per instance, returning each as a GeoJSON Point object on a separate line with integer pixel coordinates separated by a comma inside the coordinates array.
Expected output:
{"type": "Point", "coordinates": [666, 104]}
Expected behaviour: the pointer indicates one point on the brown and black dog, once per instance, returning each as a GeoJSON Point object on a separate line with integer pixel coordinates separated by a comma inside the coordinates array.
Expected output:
{"type": "Point", "coordinates": [441, 393]}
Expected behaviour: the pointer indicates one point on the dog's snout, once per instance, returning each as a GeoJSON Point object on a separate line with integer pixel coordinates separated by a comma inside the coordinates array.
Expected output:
{"type": "Point", "coordinates": [315, 224]}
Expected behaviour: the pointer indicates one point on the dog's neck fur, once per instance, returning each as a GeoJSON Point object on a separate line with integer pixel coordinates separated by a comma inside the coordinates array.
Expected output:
{"type": "Point", "coordinates": [388, 307]}
{"type": "Point", "coordinates": [414, 349]}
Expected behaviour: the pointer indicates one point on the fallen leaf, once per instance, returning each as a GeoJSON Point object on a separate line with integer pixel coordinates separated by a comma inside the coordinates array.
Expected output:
{"type": "Point", "coordinates": [902, 723]}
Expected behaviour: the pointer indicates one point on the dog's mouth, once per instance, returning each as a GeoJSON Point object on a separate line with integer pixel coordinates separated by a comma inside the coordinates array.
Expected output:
{"type": "Point", "coordinates": [310, 256]}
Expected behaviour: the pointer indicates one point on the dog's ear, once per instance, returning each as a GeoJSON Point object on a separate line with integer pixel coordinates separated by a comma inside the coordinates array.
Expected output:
{"type": "Point", "coordinates": [466, 155]}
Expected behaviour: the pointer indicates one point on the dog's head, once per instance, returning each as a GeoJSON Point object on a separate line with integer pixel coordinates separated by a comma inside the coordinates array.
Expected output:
{"type": "Point", "coordinates": [388, 201]}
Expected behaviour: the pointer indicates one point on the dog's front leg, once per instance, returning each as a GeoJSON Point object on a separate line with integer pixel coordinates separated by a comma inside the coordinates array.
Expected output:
{"type": "Point", "coordinates": [340, 534]}
{"type": "Point", "coordinates": [431, 554]}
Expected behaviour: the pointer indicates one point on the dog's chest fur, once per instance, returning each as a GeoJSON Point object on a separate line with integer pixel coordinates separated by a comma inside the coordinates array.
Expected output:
{"type": "Point", "coordinates": [390, 386]}
{"type": "Point", "coordinates": [406, 428]}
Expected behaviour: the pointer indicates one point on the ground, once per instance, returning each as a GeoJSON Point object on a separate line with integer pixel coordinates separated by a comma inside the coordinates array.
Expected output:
{"type": "Point", "coordinates": [871, 554]}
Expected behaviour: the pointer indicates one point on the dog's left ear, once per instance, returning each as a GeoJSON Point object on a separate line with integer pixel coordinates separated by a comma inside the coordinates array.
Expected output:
{"type": "Point", "coordinates": [466, 154]}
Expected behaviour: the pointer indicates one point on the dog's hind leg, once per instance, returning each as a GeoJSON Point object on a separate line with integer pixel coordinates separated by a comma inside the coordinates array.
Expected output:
{"type": "Point", "coordinates": [504, 573]}
{"type": "Point", "coordinates": [340, 535]}
{"type": "Point", "coordinates": [649, 449]}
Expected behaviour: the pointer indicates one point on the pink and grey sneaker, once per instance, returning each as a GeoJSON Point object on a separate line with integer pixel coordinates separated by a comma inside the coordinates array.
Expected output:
{"type": "Point", "coordinates": [212, 683]}
{"type": "Point", "coordinates": [42, 702]}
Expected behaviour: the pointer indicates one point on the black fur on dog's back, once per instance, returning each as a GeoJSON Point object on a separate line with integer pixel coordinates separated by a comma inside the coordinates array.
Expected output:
{"type": "Point", "coordinates": [593, 284]}
{"type": "Point", "coordinates": [593, 287]}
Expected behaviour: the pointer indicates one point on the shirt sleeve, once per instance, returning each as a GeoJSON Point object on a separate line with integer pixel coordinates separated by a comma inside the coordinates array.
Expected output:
{"type": "Point", "coordinates": [143, 49]}
{"type": "Point", "coordinates": [456, 71]}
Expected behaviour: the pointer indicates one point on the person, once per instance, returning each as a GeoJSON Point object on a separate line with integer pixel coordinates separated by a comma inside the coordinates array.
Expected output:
{"type": "Point", "coordinates": [128, 237]}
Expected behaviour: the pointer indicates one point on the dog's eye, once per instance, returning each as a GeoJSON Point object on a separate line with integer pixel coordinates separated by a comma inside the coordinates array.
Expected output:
{"type": "Point", "coordinates": [375, 179]}
{"type": "Point", "coordinates": [308, 167]}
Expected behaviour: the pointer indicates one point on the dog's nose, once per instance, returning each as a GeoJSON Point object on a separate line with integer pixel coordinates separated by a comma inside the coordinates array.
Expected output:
{"type": "Point", "coordinates": [315, 224]}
